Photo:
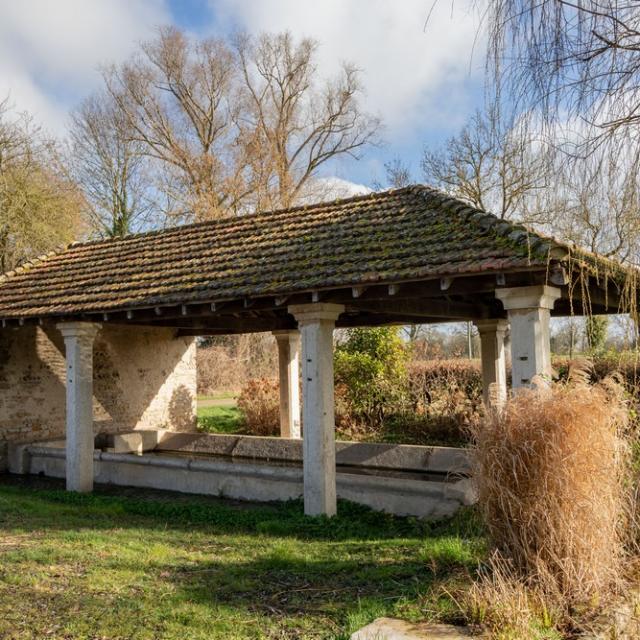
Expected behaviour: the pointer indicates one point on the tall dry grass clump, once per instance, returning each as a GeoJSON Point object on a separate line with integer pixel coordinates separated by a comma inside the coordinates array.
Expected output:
{"type": "Point", "coordinates": [551, 472]}
{"type": "Point", "coordinates": [259, 405]}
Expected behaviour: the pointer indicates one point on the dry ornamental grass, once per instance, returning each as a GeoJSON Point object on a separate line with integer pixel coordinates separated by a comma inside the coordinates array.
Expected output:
{"type": "Point", "coordinates": [259, 404]}
{"type": "Point", "coordinates": [552, 476]}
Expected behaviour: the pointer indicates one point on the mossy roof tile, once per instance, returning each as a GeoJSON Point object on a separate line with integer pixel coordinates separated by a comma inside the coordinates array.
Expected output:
{"type": "Point", "coordinates": [405, 234]}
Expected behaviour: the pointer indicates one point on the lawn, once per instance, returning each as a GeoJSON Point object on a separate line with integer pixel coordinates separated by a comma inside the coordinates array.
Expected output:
{"type": "Point", "coordinates": [219, 413]}
{"type": "Point", "coordinates": [147, 565]}
{"type": "Point", "coordinates": [219, 419]}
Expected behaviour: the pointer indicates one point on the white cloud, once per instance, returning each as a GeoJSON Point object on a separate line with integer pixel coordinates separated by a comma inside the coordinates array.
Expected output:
{"type": "Point", "coordinates": [331, 188]}
{"type": "Point", "coordinates": [50, 52]}
{"type": "Point", "coordinates": [416, 76]}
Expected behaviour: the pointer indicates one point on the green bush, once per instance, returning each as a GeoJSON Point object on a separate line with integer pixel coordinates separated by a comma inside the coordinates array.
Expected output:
{"type": "Point", "coordinates": [596, 328]}
{"type": "Point", "coordinates": [371, 376]}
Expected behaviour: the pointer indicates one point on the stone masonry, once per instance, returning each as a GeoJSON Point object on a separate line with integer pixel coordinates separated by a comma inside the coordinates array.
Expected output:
{"type": "Point", "coordinates": [143, 378]}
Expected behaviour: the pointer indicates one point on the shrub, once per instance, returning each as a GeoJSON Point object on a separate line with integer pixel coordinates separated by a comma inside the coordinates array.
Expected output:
{"type": "Point", "coordinates": [551, 472]}
{"type": "Point", "coordinates": [226, 362]}
{"type": "Point", "coordinates": [371, 376]}
{"type": "Point", "coordinates": [596, 328]}
{"type": "Point", "coordinates": [259, 404]}
{"type": "Point", "coordinates": [442, 398]}
{"type": "Point", "coordinates": [451, 388]}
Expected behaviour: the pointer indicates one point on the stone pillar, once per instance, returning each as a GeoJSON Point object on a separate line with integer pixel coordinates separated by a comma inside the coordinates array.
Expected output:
{"type": "Point", "coordinates": [494, 368]}
{"type": "Point", "coordinates": [316, 323]}
{"type": "Point", "coordinates": [78, 340]}
{"type": "Point", "coordinates": [288, 366]}
{"type": "Point", "coordinates": [529, 310]}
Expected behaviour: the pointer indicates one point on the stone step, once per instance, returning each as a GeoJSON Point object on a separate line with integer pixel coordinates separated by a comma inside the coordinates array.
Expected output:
{"type": "Point", "coordinates": [392, 629]}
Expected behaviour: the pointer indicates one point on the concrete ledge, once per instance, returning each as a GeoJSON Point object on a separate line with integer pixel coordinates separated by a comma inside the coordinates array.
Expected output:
{"type": "Point", "coordinates": [383, 456]}
{"type": "Point", "coordinates": [255, 481]}
{"type": "Point", "coordinates": [449, 460]}
{"type": "Point", "coordinates": [18, 458]}
{"type": "Point", "coordinates": [133, 442]}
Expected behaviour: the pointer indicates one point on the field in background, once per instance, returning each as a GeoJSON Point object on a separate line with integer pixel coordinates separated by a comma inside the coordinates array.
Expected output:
{"type": "Point", "coordinates": [218, 413]}
{"type": "Point", "coordinates": [143, 565]}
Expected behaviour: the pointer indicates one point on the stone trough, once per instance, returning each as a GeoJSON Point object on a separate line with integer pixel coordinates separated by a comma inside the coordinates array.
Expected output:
{"type": "Point", "coordinates": [427, 482]}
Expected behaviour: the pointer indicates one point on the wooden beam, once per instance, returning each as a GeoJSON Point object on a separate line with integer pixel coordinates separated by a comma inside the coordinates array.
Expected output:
{"type": "Point", "coordinates": [558, 276]}
{"type": "Point", "coordinates": [434, 308]}
{"type": "Point", "coordinates": [382, 319]}
{"type": "Point", "coordinates": [461, 290]}
{"type": "Point", "coordinates": [607, 301]}
{"type": "Point", "coordinates": [225, 324]}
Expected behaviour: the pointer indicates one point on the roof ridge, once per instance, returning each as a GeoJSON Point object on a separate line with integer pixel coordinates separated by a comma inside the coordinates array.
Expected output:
{"type": "Point", "coordinates": [570, 249]}
{"type": "Point", "coordinates": [29, 263]}
{"type": "Point", "coordinates": [517, 232]}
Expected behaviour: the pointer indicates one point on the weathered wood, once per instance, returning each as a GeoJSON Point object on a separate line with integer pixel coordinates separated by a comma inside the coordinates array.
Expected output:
{"type": "Point", "coordinates": [431, 307]}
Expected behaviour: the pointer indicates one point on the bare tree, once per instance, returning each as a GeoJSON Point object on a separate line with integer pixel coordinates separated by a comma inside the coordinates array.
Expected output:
{"type": "Point", "coordinates": [569, 59]}
{"type": "Point", "coordinates": [397, 175]}
{"type": "Point", "coordinates": [592, 201]}
{"type": "Point", "coordinates": [231, 126]}
{"type": "Point", "coordinates": [39, 207]}
{"type": "Point", "coordinates": [177, 96]}
{"type": "Point", "coordinates": [107, 161]}
{"type": "Point", "coordinates": [294, 125]}
{"type": "Point", "coordinates": [598, 203]}
{"type": "Point", "coordinates": [493, 166]}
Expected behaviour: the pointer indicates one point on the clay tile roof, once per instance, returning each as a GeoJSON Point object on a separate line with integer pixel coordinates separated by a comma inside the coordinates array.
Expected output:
{"type": "Point", "coordinates": [407, 234]}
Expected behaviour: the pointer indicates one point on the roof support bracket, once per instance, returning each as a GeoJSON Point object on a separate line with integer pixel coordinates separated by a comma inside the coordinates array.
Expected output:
{"type": "Point", "coordinates": [558, 276]}
{"type": "Point", "coordinates": [445, 283]}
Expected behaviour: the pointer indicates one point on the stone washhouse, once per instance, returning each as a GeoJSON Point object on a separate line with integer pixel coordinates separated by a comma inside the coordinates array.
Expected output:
{"type": "Point", "coordinates": [97, 342]}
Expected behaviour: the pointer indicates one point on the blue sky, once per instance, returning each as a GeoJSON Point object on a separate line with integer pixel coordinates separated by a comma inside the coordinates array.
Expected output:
{"type": "Point", "coordinates": [423, 81]}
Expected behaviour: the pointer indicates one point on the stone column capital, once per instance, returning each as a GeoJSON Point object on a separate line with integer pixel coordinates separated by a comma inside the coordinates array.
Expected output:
{"type": "Point", "coordinates": [492, 325]}
{"type": "Point", "coordinates": [87, 330]}
{"type": "Point", "coordinates": [316, 312]}
{"type": "Point", "coordinates": [535, 297]}
{"type": "Point", "coordinates": [283, 334]}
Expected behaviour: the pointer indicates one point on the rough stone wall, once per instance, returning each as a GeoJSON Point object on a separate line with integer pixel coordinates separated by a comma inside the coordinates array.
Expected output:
{"type": "Point", "coordinates": [143, 378]}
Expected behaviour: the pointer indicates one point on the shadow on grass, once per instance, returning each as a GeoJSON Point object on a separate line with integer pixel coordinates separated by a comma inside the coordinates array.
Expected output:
{"type": "Point", "coordinates": [338, 589]}
{"type": "Point", "coordinates": [272, 573]}
{"type": "Point", "coordinates": [54, 508]}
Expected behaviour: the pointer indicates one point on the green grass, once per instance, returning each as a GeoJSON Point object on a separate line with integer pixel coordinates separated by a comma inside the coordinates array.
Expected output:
{"type": "Point", "coordinates": [219, 419]}
{"type": "Point", "coordinates": [150, 565]}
